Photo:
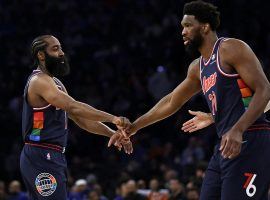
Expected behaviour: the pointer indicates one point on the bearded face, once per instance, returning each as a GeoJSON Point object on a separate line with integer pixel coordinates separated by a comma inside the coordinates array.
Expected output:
{"type": "Point", "coordinates": [57, 66]}
{"type": "Point", "coordinates": [192, 34]}
{"type": "Point", "coordinates": [193, 44]}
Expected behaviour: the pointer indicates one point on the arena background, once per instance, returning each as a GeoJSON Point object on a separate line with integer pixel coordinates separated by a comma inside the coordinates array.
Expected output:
{"type": "Point", "coordinates": [125, 55]}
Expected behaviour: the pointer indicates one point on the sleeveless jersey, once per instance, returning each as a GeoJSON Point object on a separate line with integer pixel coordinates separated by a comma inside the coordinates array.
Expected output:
{"type": "Point", "coordinates": [46, 125]}
{"type": "Point", "coordinates": [227, 95]}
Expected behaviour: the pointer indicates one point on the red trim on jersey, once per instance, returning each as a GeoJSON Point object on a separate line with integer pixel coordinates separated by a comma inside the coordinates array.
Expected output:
{"type": "Point", "coordinates": [258, 128]}
{"type": "Point", "coordinates": [263, 125]}
{"type": "Point", "coordinates": [47, 146]}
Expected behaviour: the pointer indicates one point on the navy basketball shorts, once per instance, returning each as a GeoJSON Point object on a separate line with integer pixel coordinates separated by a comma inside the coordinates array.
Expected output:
{"type": "Point", "coordinates": [246, 177]}
{"type": "Point", "coordinates": [44, 173]}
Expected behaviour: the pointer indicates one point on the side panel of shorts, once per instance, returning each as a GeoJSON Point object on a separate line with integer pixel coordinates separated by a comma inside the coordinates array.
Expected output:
{"type": "Point", "coordinates": [44, 173]}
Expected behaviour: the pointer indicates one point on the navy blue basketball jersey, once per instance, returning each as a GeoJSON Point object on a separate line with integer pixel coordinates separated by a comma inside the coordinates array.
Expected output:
{"type": "Point", "coordinates": [46, 125]}
{"type": "Point", "coordinates": [227, 95]}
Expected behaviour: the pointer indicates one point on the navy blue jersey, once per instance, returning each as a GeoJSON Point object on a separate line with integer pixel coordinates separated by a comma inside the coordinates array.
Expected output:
{"type": "Point", "coordinates": [227, 95]}
{"type": "Point", "coordinates": [46, 125]}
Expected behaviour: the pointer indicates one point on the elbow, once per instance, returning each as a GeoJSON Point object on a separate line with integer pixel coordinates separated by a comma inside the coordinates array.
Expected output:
{"type": "Point", "coordinates": [71, 108]}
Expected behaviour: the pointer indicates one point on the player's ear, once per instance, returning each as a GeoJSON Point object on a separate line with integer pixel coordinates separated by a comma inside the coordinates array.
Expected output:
{"type": "Point", "coordinates": [206, 28]}
{"type": "Point", "coordinates": [41, 55]}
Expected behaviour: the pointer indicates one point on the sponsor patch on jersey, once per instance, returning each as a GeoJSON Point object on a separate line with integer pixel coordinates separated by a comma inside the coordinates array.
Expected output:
{"type": "Point", "coordinates": [46, 184]}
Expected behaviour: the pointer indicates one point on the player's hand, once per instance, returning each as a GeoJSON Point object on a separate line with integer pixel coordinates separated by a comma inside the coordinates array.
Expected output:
{"type": "Point", "coordinates": [116, 139]}
{"type": "Point", "coordinates": [199, 121]}
{"type": "Point", "coordinates": [127, 145]}
{"type": "Point", "coordinates": [231, 144]}
{"type": "Point", "coordinates": [131, 130]}
{"type": "Point", "coordinates": [122, 123]}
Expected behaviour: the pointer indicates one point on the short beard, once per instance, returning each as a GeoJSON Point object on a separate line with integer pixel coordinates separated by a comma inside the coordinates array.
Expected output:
{"type": "Point", "coordinates": [57, 66]}
{"type": "Point", "coordinates": [193, 47]}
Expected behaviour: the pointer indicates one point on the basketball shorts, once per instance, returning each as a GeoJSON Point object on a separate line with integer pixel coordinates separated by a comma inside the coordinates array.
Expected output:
{"type": "Point", "coordinates": [44, 172]}
{"type": "Point", "coordinates": [244, 178]}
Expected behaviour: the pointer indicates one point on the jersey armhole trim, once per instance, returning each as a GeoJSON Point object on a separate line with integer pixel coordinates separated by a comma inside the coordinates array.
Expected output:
{"type": "Point", "coordinates": [219, 65]}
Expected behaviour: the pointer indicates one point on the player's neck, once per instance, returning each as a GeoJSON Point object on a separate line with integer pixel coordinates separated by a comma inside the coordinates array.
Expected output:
{"type": "Point", "coordinates": [208, 45]}
{"type": "Point", "coordinates": [42, 68]}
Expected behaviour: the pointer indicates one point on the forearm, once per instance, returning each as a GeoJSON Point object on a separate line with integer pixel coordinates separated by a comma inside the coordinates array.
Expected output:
{"type": "Point", "coordinates": [82, 110]}
{"type": "Point", "coordinates": [94, 127]}
{"type": "Point", "coordinates": [255, 109]}
{"type": "Point", "coordinates": [161, 110]}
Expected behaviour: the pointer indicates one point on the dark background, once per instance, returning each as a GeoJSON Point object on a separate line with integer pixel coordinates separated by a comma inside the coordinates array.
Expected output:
{"type": "Point", "coordinates": [125, 55]}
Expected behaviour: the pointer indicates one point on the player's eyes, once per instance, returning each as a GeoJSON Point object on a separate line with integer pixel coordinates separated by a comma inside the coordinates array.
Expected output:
{"type": "Point", "coordinates": [55, 49]}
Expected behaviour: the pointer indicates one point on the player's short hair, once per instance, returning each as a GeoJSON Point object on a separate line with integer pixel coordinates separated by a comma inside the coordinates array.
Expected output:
{"type": "Point", "coordinates": [203, 12]}
{"type": "Point", "coordinates": [38, 44]}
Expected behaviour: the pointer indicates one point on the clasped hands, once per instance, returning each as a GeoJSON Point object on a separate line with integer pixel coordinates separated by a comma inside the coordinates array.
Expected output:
{"type": "Point", "coordinates": [121, 137]}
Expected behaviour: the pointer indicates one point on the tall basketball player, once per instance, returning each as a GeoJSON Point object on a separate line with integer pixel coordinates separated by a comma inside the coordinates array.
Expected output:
{"type": "Point", "coordinates": [237, 91]}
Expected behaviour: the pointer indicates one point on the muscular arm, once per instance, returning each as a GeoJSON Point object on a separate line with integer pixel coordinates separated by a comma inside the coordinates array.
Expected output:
{"type": "Point", "coordinates": [171, 103]}
{"type": "Point", "coordinates": [93, 126]}
{"type": "Point", "coordinates": [245, 62]}
{"type": "Point", "coordinates": [44, 86]}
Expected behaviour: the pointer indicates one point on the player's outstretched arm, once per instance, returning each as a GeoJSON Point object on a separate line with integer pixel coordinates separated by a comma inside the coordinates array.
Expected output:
{"type": "Point", "coordinates": [44, 86]}
{"type": "Point", "coordinates": [101, 129]}
{"type": "Point", "coordinates": [171, 103]}
{"type": "Point", "coordinates": [237, 54]}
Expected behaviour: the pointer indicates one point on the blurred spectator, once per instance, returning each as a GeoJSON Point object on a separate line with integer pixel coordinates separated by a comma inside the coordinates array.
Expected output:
{"type": "Point", "coordinates": [79, 191]}
{"type": "Point", "coordinates": [121, 191]}
{"type": "Point", "coordinates": [170, 174]}
{"type": "Point", "coordinates": [97, 188]}
{"type": "Point", "coordinates": [15, 192]}
{"type": "Point", "coordinates": [155, 193]}
{"type": "Point", "coordinates": [192, 194]}
{"type": "Point", "coordinates": [176, 190]}
{"type": "Point", "coordinates": [93, 195]}
{"type": "Point", "coordinates": [141, 184]}
{"type": "Point", "coordinates": [131, 191]}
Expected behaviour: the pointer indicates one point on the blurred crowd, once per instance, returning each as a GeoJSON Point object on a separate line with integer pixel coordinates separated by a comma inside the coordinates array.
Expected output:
{"type": "Point", "coordinates": [124, 55]}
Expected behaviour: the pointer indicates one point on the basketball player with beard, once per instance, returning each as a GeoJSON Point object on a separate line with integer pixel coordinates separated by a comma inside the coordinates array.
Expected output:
{"type": "Point", "coordinates": [46, 108]}
{"type": "Point", "coordinates": [237, 91]}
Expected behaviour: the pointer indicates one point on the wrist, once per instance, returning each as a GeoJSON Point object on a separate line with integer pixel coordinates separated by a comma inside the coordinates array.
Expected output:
{"type": "Point", "coordinates": [110, 132]}
{"type": "Point", "coordinates": [134, 127]}
{"type": "Point", "coordinates": [237, 129]}
{"type": "Point", "coordinates": [113, 119]}
{"type": "Point", "coordinates": [211, 118]}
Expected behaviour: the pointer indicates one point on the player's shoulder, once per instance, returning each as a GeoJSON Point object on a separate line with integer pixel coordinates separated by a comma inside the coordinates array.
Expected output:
{"type": "Point", "coordinates": [40, 80]}
{"type": "Point", "coordinates": [232, 45]}
{"type": "Point", "coordinates": [195, 62]}
{"type": "Point", "coordinates": [194, 68]}
{"type": "Point", "coordinates": [194, 65]}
